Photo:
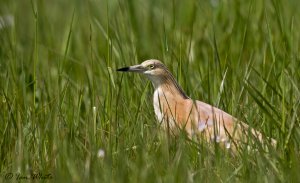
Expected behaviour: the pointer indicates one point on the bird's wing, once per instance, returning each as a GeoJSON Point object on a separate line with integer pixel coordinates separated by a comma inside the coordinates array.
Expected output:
{"type": "Point", "coordinates": [221, 126]}
{"type": "Point", "coordinates": [215, 123]}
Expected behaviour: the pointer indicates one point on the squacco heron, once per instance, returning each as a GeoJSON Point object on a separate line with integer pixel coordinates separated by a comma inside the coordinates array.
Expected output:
{"type": "Point", "coordinates": [175, 110]}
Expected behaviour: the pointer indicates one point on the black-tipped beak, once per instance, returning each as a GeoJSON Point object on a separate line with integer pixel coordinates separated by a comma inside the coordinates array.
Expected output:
{"type": "Point", "coordinates": [134, 68]}
{"type": "Point", "coordinates": [124, 69]}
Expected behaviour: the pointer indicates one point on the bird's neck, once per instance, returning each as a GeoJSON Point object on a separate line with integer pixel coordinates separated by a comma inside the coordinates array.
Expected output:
{"type": "Point", "coordinates": [168, 86]}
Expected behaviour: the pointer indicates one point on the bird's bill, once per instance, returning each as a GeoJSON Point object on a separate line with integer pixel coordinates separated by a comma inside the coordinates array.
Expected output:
{"type": "Point", "coordinates": [134, 68]}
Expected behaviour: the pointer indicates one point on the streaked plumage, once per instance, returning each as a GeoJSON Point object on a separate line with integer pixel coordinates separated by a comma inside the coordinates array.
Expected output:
{"type": "Point", "coordinates": [174, 109]}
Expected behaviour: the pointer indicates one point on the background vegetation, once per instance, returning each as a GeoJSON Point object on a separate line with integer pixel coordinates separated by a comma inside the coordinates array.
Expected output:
{"type": "Point", "coordinates": [64, 110]}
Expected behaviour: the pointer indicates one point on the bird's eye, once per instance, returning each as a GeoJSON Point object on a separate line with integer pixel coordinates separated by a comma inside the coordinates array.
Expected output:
{"type": "Point", "coordinates": [151, 66]}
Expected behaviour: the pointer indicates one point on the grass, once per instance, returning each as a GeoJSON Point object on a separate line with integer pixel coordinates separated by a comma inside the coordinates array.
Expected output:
{"type": "Point", "coordinates": [63, 105]}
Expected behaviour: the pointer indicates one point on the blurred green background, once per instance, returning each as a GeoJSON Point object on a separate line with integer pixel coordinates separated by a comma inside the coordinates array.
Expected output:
{"type": "Point", "coordinates": [64, 110]}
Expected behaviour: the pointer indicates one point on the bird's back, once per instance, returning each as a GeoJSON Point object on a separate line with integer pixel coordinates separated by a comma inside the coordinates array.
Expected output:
{"type": "Point", "coordinates": [217, 125]}
{"type": "Point", "coordinates": [203, 120]}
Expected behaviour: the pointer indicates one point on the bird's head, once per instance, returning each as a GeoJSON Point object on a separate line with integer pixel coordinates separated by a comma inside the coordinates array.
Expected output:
{"type": "Point", "coordinates": [158, 73]}
{"type": "Point", "coordinates": [148, 67]}
{"type": "Point", "coordinates": [155, 70]}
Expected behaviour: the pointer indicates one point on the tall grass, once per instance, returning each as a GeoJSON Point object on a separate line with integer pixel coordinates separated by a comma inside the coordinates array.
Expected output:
{"type": "Point", "coordinates": [64, 111]}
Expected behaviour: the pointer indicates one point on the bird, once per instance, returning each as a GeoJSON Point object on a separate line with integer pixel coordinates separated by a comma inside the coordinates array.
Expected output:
{"type": "Point", "coordinates": [176, 111]}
